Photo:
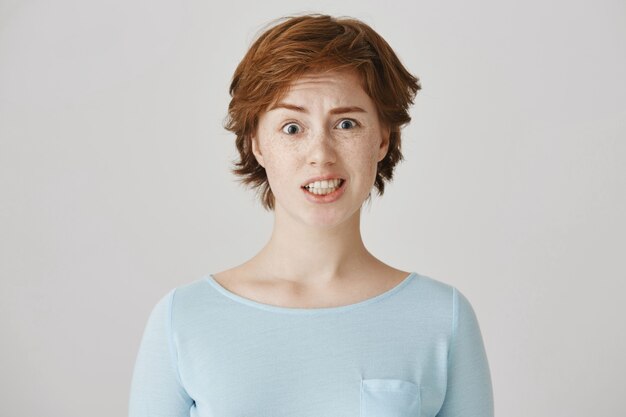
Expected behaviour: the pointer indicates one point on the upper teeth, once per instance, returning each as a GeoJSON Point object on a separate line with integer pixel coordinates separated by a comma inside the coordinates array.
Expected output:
{"type": "Point", "coordinates": [324, 184]}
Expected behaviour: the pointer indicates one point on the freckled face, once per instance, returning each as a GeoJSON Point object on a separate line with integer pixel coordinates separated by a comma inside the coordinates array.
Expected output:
{"type": "Point", "coordinates": [325, 124]}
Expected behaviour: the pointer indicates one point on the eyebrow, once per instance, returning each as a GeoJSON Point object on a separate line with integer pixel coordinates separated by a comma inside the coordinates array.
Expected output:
{"type": "Point", "coordinates": [336, 110]}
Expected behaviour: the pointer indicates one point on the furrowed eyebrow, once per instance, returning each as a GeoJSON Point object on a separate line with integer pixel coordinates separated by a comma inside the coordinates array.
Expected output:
{"type": "Point", "coordinates": [337, 110]}
{"type": "Point", "coordinates": [289, 107]}
{"type": "Point", "coordinates": [352, 109]}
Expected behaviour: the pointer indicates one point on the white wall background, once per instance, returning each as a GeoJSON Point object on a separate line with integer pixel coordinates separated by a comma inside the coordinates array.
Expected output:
{"type": "Point", "coordinates": [115, 185]}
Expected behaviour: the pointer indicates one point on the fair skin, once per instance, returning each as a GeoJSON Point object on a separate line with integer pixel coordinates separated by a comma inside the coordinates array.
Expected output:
{"type": "Point", "coordinates": [315, 257]}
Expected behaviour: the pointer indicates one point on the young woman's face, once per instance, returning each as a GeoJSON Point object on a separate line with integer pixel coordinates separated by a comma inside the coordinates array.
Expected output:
{"type": "Point", "coordinates": [325, 125]}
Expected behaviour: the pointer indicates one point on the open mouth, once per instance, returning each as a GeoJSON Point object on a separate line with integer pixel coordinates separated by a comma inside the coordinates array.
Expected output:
{"type": "Point", "coordinates": [324, 190]}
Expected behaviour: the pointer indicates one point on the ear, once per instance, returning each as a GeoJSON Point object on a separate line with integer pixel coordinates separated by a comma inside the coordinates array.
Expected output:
{"type": "Point", "coordinates": [384, 143]}
{"type": "Point", "coordinates": [256, 150]}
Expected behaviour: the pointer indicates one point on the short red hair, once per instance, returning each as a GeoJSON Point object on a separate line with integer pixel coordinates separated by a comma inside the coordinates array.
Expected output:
{"type": "Point", "coordinates": [299, 44]}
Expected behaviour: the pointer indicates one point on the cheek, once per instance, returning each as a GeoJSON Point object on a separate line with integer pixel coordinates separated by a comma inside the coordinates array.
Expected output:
{"type": "Point", "coordinates": [364, 163]}
{"type": "Point", "coordinates": [277, 159]}
{"type": "Point", "coordinates": [279, 166]}
{"type": "Point", "coordinates": [367, 150]}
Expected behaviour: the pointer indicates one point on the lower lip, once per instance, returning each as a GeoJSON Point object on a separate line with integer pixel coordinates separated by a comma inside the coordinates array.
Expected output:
{"type": "Point", "coordinates": [328, 198]}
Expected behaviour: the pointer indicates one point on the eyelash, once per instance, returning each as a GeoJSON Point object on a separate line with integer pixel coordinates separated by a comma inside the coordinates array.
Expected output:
{"type": "Point", "coordinates": [356, 124]}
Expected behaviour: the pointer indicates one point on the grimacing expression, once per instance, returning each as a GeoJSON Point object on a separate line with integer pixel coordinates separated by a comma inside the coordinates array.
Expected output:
{"type": "Point", "coordinates": [325, 124]}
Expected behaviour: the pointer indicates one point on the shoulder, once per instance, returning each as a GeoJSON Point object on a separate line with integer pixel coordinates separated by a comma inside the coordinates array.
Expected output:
{"type": "Point", "coordinates": [433, 292]}
{"type": "Point", "coordinates": [180, 299]}
{"type": "Point", "coordinates": [452, 304]}
{"type": "Point", "coordinates": [439, 290]}
{"type": "Point", "coordinates": [433, 286]}
{"type": "Point", "coordinates": [190, 295]}
{"type": "Point", "coordinates": [440, 298]}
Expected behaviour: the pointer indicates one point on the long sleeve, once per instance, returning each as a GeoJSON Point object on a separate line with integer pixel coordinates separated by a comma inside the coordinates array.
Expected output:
{"type": "Point", "coordinates": [469, 389]}
{"type": "Point", "coordinates": [156, 388]}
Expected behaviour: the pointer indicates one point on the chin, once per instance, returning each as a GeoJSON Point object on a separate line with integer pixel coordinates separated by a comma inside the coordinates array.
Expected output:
{"type": "Point", "coordinates": [330, 219]}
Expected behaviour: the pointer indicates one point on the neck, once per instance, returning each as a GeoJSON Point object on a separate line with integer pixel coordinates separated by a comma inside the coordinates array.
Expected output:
{"type": "Point", "coordinates": [313, 255]}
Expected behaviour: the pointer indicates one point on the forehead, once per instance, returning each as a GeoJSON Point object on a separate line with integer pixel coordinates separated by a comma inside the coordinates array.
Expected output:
{"type": "Point", "coordinates": [326, 77]}
{"type": "Point", "coordinates": [337, 85]}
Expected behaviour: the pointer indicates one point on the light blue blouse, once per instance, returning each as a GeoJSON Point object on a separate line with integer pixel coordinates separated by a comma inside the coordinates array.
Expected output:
{"type": "Point", "coordinates": [414, 351]}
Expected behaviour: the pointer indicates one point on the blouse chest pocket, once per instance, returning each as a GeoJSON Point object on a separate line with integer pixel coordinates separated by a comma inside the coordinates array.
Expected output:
{"type": "Point", "coordinates": [389, 398]}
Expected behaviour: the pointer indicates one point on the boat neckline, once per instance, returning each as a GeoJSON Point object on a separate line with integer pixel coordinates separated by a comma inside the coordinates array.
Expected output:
{"type": "Point", "coordinates": [303, 310]}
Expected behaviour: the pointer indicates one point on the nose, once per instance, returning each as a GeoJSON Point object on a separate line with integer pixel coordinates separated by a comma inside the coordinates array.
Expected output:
{"type": "Point", "coordinates": [322, 149]}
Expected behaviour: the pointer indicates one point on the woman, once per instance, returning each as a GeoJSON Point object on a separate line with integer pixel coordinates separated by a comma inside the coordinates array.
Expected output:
{"type": "Point", "coordinates": [314, 324]}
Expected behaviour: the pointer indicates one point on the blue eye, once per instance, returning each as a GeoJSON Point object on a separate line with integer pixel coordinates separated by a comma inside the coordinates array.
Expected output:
{"type": "Point", "coordinates": [347, 124]}
{"type": "Point", "coordinates": [291, 128]}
